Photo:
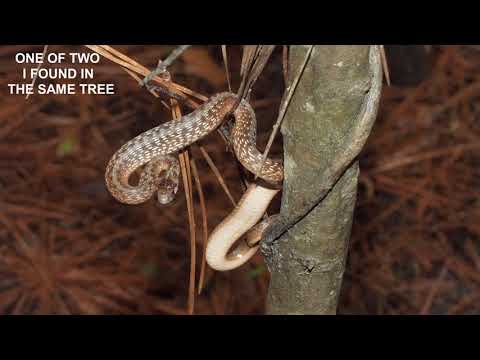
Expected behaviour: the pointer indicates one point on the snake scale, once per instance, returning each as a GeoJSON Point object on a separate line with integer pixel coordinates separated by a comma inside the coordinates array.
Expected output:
{"type": "Point", "coordinates": [155, 149]}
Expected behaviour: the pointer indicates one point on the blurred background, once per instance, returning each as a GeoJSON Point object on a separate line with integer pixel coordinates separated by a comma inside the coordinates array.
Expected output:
{"type": "Point", "coordinates": [67, 247]}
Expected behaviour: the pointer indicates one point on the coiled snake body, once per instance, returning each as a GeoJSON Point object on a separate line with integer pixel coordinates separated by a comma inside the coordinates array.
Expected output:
{"type": "Point", "coordinates": [155, 148]}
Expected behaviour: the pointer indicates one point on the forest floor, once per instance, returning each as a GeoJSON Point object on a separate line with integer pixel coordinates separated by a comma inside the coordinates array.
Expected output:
{"type": "Point", "coordinates": [66, 246]}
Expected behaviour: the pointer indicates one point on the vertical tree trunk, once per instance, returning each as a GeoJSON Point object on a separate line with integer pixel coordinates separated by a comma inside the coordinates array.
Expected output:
{"type": "Point", "coordinates": [328, 121]}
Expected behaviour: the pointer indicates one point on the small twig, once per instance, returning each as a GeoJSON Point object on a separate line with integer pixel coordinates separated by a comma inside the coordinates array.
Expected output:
{"type": "Point", "coordinates": [162, 66]}
{"type": "Point", "coordinates": [174, 55]}
{"type": "Point", "coordinates": [283, 108]}
{"type": "Point", "coordinates": [151, 89]}
{"type": "Point", "coordinates": [39, 66]}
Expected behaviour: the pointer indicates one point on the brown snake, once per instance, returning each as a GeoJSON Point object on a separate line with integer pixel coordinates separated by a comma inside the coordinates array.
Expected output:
{"type": "Point", "coordinates": [155, 149]}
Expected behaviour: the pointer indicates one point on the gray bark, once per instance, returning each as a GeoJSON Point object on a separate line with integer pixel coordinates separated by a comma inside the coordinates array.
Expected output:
{"type": "Point", "coordinates": [326, 125]}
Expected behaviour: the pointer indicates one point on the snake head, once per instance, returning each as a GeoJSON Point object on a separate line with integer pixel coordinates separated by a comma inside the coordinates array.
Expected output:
{"type": "Point", "coordinates": [166, 192]}
{"type": "Point", "coordinates": [164, 172]}
{"type": "Point", "coordinates": [167, 185]}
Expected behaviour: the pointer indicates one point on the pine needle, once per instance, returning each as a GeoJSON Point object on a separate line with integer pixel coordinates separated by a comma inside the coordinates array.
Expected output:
{"type": "Point", "coordinates": [204, 223]}
{"type": "Point", "coordinates": [283, 108]}
{"type": "Point", "coordinates": [187, 185]}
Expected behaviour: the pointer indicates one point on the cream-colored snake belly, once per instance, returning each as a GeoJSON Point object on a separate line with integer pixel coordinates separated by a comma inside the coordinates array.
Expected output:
{"type": "Point", "coordinates": [248, 212]}
{"type": "Point", "coordinates": [155, 148]}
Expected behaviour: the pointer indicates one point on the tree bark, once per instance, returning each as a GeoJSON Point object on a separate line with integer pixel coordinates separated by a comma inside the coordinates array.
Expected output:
{"type": "Point", "coordinates": [326, 125]}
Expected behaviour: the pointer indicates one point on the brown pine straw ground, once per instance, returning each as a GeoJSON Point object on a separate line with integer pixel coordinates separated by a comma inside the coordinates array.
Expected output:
{"type": "Point", "coordinates": [66, 246]}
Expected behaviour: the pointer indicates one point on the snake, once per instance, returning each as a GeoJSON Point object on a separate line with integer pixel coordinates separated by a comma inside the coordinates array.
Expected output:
{"type": "Point", "coordinates": [154, 153]}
